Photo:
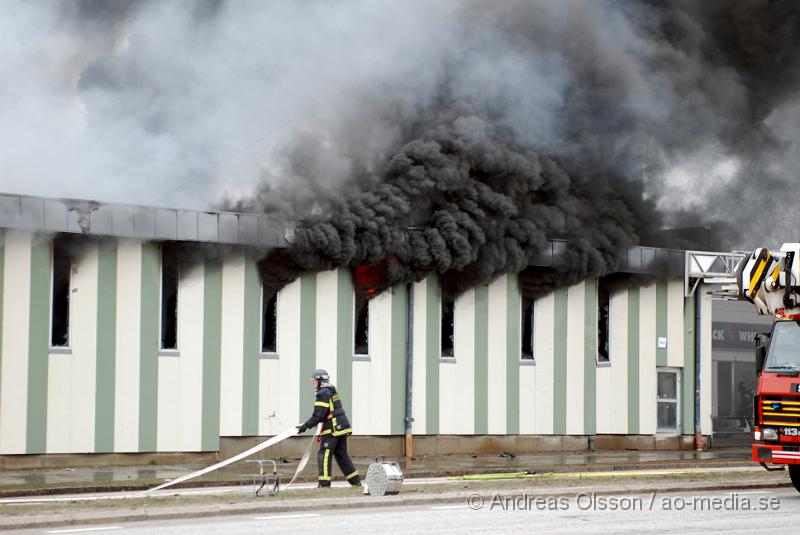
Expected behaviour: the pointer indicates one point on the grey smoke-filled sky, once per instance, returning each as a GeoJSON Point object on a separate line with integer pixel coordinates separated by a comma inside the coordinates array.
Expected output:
{"type": "Point", "coordinates": [186, 103]}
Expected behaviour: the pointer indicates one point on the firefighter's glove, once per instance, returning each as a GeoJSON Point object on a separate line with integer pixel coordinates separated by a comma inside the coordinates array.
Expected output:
{"type": "Point", "coordinates": [301, 428]}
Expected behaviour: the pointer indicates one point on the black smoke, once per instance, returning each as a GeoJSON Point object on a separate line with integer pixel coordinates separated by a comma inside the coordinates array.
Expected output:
{"type": "Point", "coordinates": [465, 199]}
{"type": "Point", "coordinates": [471, 194]}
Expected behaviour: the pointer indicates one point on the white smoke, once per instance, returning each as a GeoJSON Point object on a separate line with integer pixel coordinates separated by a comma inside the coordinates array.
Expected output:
{"type": "Point", "coordinates": [165, 104]}
{"type": "Point", "coordinates": [184, 103]}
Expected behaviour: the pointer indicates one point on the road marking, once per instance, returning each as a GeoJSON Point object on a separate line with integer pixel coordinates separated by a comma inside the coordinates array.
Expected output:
{"type": "Point", "coordinates": [442, 507]}
{"type": "Point", "coordinates": [79, 530]}
{"type": "Point", "coordinates": [277, 517]}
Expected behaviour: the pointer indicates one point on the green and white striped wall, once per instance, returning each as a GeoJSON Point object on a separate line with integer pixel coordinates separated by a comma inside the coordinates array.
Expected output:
{"type": "Point", "coordinates": [115, 392]}
{"type": "Point", "coordinates": [488, 389]}
{"type": "Point", "coordinates": [111, 391]}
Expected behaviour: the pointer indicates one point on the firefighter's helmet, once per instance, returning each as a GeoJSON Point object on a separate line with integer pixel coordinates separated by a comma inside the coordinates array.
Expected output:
{"type": "Point", "coordinates": [321, 376]}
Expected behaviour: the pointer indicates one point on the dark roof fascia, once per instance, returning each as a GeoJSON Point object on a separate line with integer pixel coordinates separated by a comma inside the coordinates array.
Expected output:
{"type": "Point", "coordinates": [40, 214]}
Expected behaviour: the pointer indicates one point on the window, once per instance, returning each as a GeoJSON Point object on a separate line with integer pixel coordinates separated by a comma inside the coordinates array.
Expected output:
{"type": "Point", "coordinates": [603, 321]}
{"type": "Point", "coordinates": [170, 270]}
{"type": "Point", "coordinates": [269, 320]}
{"type": "Point", "coordinates": [59, 311]}
{"type": "Point", "coordinates": [361, 323]}
{"type": "Point", "coordinates": [783, 345]}
{"type": "Point", "coordinates": [668, 403]}
{"type": "Point", "coordinates": [527, 330]}
{"type": "Point", "coordinates": [448, 328]}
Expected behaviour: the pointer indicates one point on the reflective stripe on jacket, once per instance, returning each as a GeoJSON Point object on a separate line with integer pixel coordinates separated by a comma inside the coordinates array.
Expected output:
{"type": "Point", "coordinates": [328, 410]}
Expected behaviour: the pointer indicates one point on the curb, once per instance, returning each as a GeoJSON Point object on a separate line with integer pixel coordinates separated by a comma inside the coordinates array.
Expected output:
{"type": "Point", "coordinates": [359, 502]}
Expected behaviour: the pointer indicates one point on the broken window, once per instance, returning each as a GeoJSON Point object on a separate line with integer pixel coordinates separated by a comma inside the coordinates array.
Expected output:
{"type": "Point", "coordinates": [62, 273]}
{"type": "Point", "coordinates": [269, 321]}
{"type": "Point", "coordinates": [170, 270]}
{"type": "Point", "coordinates": [527, 328]}
{"type": "Point", "coordinates": [361, 321]}
{"type": "Point", "coordinates": [448, 328]}
{"type": "Point", "coordinates": [603, 321]}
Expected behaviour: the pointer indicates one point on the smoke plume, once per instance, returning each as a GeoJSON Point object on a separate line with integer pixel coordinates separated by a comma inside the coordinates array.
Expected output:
{"type": "Point", "coordinates": [466, 200]}
{"type": "Point", "coordinates": [449, 136]}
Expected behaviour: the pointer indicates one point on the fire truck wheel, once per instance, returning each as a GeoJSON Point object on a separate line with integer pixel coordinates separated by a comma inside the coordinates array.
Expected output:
{"type": "Point", "coordinates": [794, 473]}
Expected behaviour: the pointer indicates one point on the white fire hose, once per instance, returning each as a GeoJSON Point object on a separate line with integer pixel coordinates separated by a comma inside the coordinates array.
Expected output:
{"type": "Point", "coordinates": [255, 449]}
{"type": "Point", "coordinates": [306, 455]}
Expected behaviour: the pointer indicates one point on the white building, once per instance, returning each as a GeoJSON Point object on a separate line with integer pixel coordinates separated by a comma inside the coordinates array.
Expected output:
{"type": "Point", "coordinates": [109, 343]}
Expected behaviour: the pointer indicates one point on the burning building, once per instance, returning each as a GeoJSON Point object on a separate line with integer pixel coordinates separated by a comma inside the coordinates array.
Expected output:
{"type": "Point", "coordinates": [129, 329]}
{"type": "Point", "coordinates": [479, 190]}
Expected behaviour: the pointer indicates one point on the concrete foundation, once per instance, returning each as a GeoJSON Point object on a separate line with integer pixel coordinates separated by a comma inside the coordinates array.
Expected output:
{"type": "Point", "coordinates": [392, 446]}
{"type": "Point", "coordinates": [292, 448]}
{"type": "Point", "coordinates": [389, 447]}
{"type": "Point", "coordinates": [644, 442]}
{"type": "Point", "coordinates": [81, 460]}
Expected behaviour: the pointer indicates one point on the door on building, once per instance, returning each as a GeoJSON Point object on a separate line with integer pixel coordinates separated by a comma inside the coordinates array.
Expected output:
{"type": "Point", "coordinates": [735, 387]}
{"type": "Point", "coordinates": [668, 411]}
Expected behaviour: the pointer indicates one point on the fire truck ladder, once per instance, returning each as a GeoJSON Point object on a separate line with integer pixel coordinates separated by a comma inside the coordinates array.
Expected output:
{"type": "Point", "coordinates": [716, 269]}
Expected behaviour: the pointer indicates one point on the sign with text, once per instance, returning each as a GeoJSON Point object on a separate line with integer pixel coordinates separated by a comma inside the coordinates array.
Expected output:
{"type": "Point", "coordinates": [736, 335]}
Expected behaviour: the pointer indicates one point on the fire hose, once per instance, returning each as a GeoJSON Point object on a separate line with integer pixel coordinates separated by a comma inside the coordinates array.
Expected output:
{"type": "Point", "coordinates": [255, 449]}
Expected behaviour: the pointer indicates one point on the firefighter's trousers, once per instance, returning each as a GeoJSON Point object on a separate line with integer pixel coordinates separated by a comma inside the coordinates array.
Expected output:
{"type": "Point", "coordinates": [330, 448]}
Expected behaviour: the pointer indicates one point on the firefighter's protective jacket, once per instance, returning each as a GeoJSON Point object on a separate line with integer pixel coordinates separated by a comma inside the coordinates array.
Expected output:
{"type": "Point", "coordinates": [328, 410]}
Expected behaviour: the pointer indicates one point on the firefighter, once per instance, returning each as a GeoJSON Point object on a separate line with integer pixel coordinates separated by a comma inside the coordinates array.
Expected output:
{"type": "Point", "coordinates": [335, 428]}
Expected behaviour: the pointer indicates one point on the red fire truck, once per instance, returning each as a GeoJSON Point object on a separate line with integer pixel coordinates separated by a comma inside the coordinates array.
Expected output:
{"type": "Point", "coordinates": [770, 280]}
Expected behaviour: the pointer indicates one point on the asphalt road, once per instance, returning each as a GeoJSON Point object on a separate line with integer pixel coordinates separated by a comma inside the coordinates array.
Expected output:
{"type": "Point", "coordinates": [776, 511]}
